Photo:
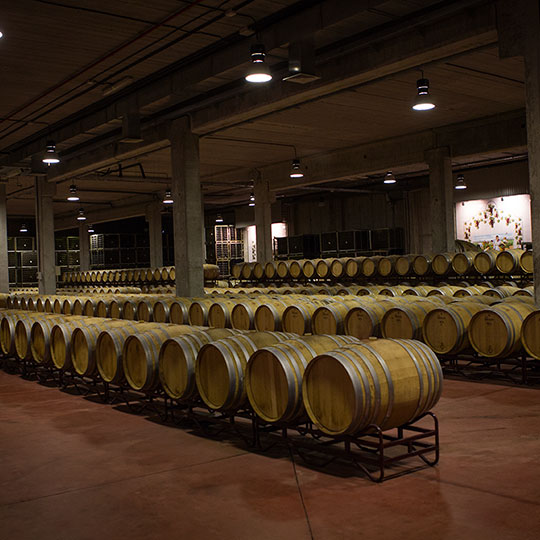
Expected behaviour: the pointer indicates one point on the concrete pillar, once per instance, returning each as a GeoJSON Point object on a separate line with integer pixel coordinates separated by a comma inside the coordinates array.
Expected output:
{"type": "Point", "coordinates": [263, 219]}
{"type": "Point", "coordinates": [84, 247]}
{"type": "Point", "coordinates": [518, 25]}
{"type": "Point", "coordinates": [532, 89]}
{"type": "Point", "coordinates": [187, 209]}
{"type": "Point", "coordinates": [153, 217]}
{"type": "Point", "coordinates": [441, 191]}
{"type": "Point", "coordinates": [45, 235]}
{"type": "Point", "coordinates": [4, 273]}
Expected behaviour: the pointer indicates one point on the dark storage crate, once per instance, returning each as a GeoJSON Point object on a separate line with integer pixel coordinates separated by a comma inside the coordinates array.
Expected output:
{"type": "Point", "coordinates": [282, 246]}
{"type": "Point", "coordinates": [128, 256]}
{"type": "Point", "coordinates": [12, 275]}
{"type": "Point", "coordinates": [11, 243]}
{"type": "Point", "coordinates": [143, 256]}
{"type": "Point", "coordinates": [111, 241]}
{"type": "Point", "coordinates": [60, 243]}
{"type": "Point", "coordinates": [329, 241]}
{"type": "Point", "coordinates": [346, 241]}
{"type": "Point", "coordinates": [97, 257]}
{"type": "Point", "coordinates": [29, 275]}
{"type": "Point", "coordinates": [363, 240]}
{"type": "Point", "coordinates": [143, 240]}
{"type": "Point", "coordinates": [296, 245]}
{"type": "Point", "coordinates": [29, 258]}
{"type": "Point", "coordinates": [380, 239]}
{"type": "Point", "coordinates": [13, 258]}
{"type": "Point", "coordinates": [61, 258]}
{"type": "Point", "coordinates": [24, 243]}
{"type": "Point", "coordinates": [237, 251]}
{"type": "Point", "coordinates": [111, 256]}
{"type": "Point", "coordinates": [127, 241]}
{"type": "Point", "coordinates": [96, 241]}
{"type": "Point", "coordinates": [311, 246]}
{"type": "Point", "coordinates": [73, 242]}
{"type": "Point", "coordinates": [74, 258]}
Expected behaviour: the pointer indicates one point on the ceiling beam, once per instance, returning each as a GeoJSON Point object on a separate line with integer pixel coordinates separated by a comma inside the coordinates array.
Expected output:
{"type": "Point", "coordinates": [502, 132]}
{"type": "Point", "coordinates": [378, 56]}
{"type": "Point", "coordinates": [178, 81]}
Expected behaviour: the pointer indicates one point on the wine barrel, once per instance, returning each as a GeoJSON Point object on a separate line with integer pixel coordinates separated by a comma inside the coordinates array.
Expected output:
{"type": "Point", "coordinates": [141, 351]}
{"type": "Point", "coordinates": [243, 315]}
{"type": "Point", "coordinates": [247, 270]}
{"type": "Point", "coordinates": [442, 264]}
{"type": "Point", "coordinates": [90, 306]}
{"type": "Point", "coordinates": [405, 322]}
{"type": "Point", "coordinates": [179, 311]}
{"type": "Point", "coordinates": [330, 318]}
{"type": "Point", "coordinates": [530, 334]}
{"type": "Point", "coordinates": [495, 332]}
{"type": "Point", "coordinates": [323, 268]}
{"type": "Point", "coordinates": [526, 262]}
{"type": "Point", "coordinates": [463, 263]}
{"type": "Point", "coordinates": [210, 272]}
{"type": "Point", "coordinates": [7, 329]}
{"type": "Point", "coordinates": [273, 378]}
{"type": "Point", "coordinates": [161, 310]}
{"type": "Point", "coordinates": [365, 320]}
{"type": "Point", "coordinates": [384, 382]}
{"type": "Point", "coordinates": [387, 265]}
{"type": "Point", "coordinates": [198, 312]}
{"type": "Point", "coordinates": [526, 291]}
{"type": "Point", "coordinates": [282, 269]}
{"type": "Point", "coordinates": [219, 313]}
{"type": "Point", "coordinates": [296, 318]}
{"type": "Point", "coordinates": [484, 262]}
{"type": "Point", "coordinates": [446, 290]}
{"type": "Point", "coordinates": [403, 264]}
{"type": "Point", "coordinates": [337, 267]}
{"type": "Point", "coordinates": [41, 337]}
{"type": "Point", "coordinates": [220, 368]}
{"type": "Point", "coordinates": [473, 290]}
{"type": "Point", "coordinates": [308, 269]}
{"type": "Point", "coordinates": [509, 261]}
{"type": "Point", "coordinates": [258, 270]}
{"type": "Point", "coordinates": [445, 328]}
{"type": "Point", "coordinates": [177, 358]}
{"type": "Point", "coordinates": [145, 310]}
{"type": "Point", "coordinates": [268, 315]}
{"type": "Point", "coordinates": [421, 265]}
{"type": "Point", "coordinates": [236, 270]}
{"type": "Point", "coordinates": [22, 337]}
{"type": "Point", "coordinates": [270, 270]}
{"type": "Point", "coordinates": [129, 310]}
{"type": "Point", "coordinates": [295, 269]}
{"type": "Point", "coordinates": [418, 290]}
{"type": "Point", "coordinates": [369, 267]}
{"type": "Point", "coordinates": [353, 266]}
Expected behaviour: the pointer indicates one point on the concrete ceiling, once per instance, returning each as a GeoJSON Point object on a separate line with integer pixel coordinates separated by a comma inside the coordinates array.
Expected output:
{"type": "Point", "coordinates": [60, 59]}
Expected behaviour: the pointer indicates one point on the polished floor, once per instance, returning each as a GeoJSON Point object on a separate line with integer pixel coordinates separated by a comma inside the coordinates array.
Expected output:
{"type": "Point", "coordinates": [73, 469]}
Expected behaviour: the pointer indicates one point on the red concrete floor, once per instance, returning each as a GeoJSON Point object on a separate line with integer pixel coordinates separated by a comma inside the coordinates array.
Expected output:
{"type": "Point", "coordinates": [75, 469]}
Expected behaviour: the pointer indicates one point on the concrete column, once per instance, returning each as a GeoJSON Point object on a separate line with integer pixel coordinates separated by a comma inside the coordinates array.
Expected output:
{"type": "Point", "coordinates": [84, 247]}
{"type": "Point", "coordinates": [532, 88]}
{"type": "Point", "coordinates": [263, 219]}
{"type": "Point", "coordinates": [4, 273]}
{"type": "Point", "coordinates": [441, 190]}
{"type": "Point", "coordinates": [153, 217]}
{"type": "Point", "coordinates": [45, 235]}
{"type": "Point", "coordinates": [187, 209]}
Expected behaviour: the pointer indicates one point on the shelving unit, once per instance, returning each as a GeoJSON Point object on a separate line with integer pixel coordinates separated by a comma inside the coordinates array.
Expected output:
{"type": "Point", "coordinates": [229, 247]}
{"type": "Point", "coordinates": [124, 250]}
{"type": "Point", "coordinates": [22, 260]}
{"type": "Point", "coordinates": [67, 253]}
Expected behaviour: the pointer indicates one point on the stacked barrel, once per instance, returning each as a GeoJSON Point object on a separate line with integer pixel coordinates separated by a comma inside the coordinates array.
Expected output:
{"type": "Point", "coordinates": [504, 263]}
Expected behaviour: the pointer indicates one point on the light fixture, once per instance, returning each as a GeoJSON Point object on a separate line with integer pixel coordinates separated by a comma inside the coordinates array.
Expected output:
{"type": "Point", "coordinates": [51, 157]}
{"type": "Point", "coordinates": [219, 218]}
{"type": "Point", "coordinates": [252, 199]}
{"type": "Point", "coordinates": [1, 35]}
{"type": "Point", "coordinates": [23, 228]}
{"type": "Point", "coordinates": [296, 171]}
{"type": "Point", "coordinates": [390, 178]}
{"type": "Point", "coordinates": [168, 197]}
{"type": "Point", "coordinates": [258, 72]}
{"type": "Point", "coordinates": [91, 229]}
{"type": "Point", "coordinates": [73, 197]}
{"type": "Point", "coordinates": [423, 101]}
{"type": "Point", "coordinates": [81, 216]}
{"type": "Point", "coordinates": [460, 182]}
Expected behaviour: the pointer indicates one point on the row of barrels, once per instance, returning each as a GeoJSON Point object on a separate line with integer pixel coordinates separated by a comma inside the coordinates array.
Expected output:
{"type": "Point", "coordinates": [513, 261]}
{"type": "Point", "coordinates": [134, 275]}
{"type": "Point", "coordinates": [343, 385]}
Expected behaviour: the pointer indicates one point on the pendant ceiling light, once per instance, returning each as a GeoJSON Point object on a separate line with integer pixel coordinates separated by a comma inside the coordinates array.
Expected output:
{"type": "Point", "coordinates": [168, 197]}
{"type": "Point", "coordinates": [51, 157]}
{"type": "Point", "coordinates": [390, 178]}
{"type": "Point", "coordinates": [423, 101]}
{"type": "Point", "coordinates": [23, 228]}
{"type": "Point", "coordinates": [81, 216]}
{"type": "Point", "coordinates": [296, 171]}
{"type": "Point", "coordinates": [460, 182]}
{"type": "Point", "coordinates": [252, 199]}
{"type": "Point", "coordinates": [219, 218]}
{"type": "Point", "coordinates": [258, 72]}
{"type": "Point", "coordinates": [73, 197]}
{"type": "Point", "coordinates": [91, 229]}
